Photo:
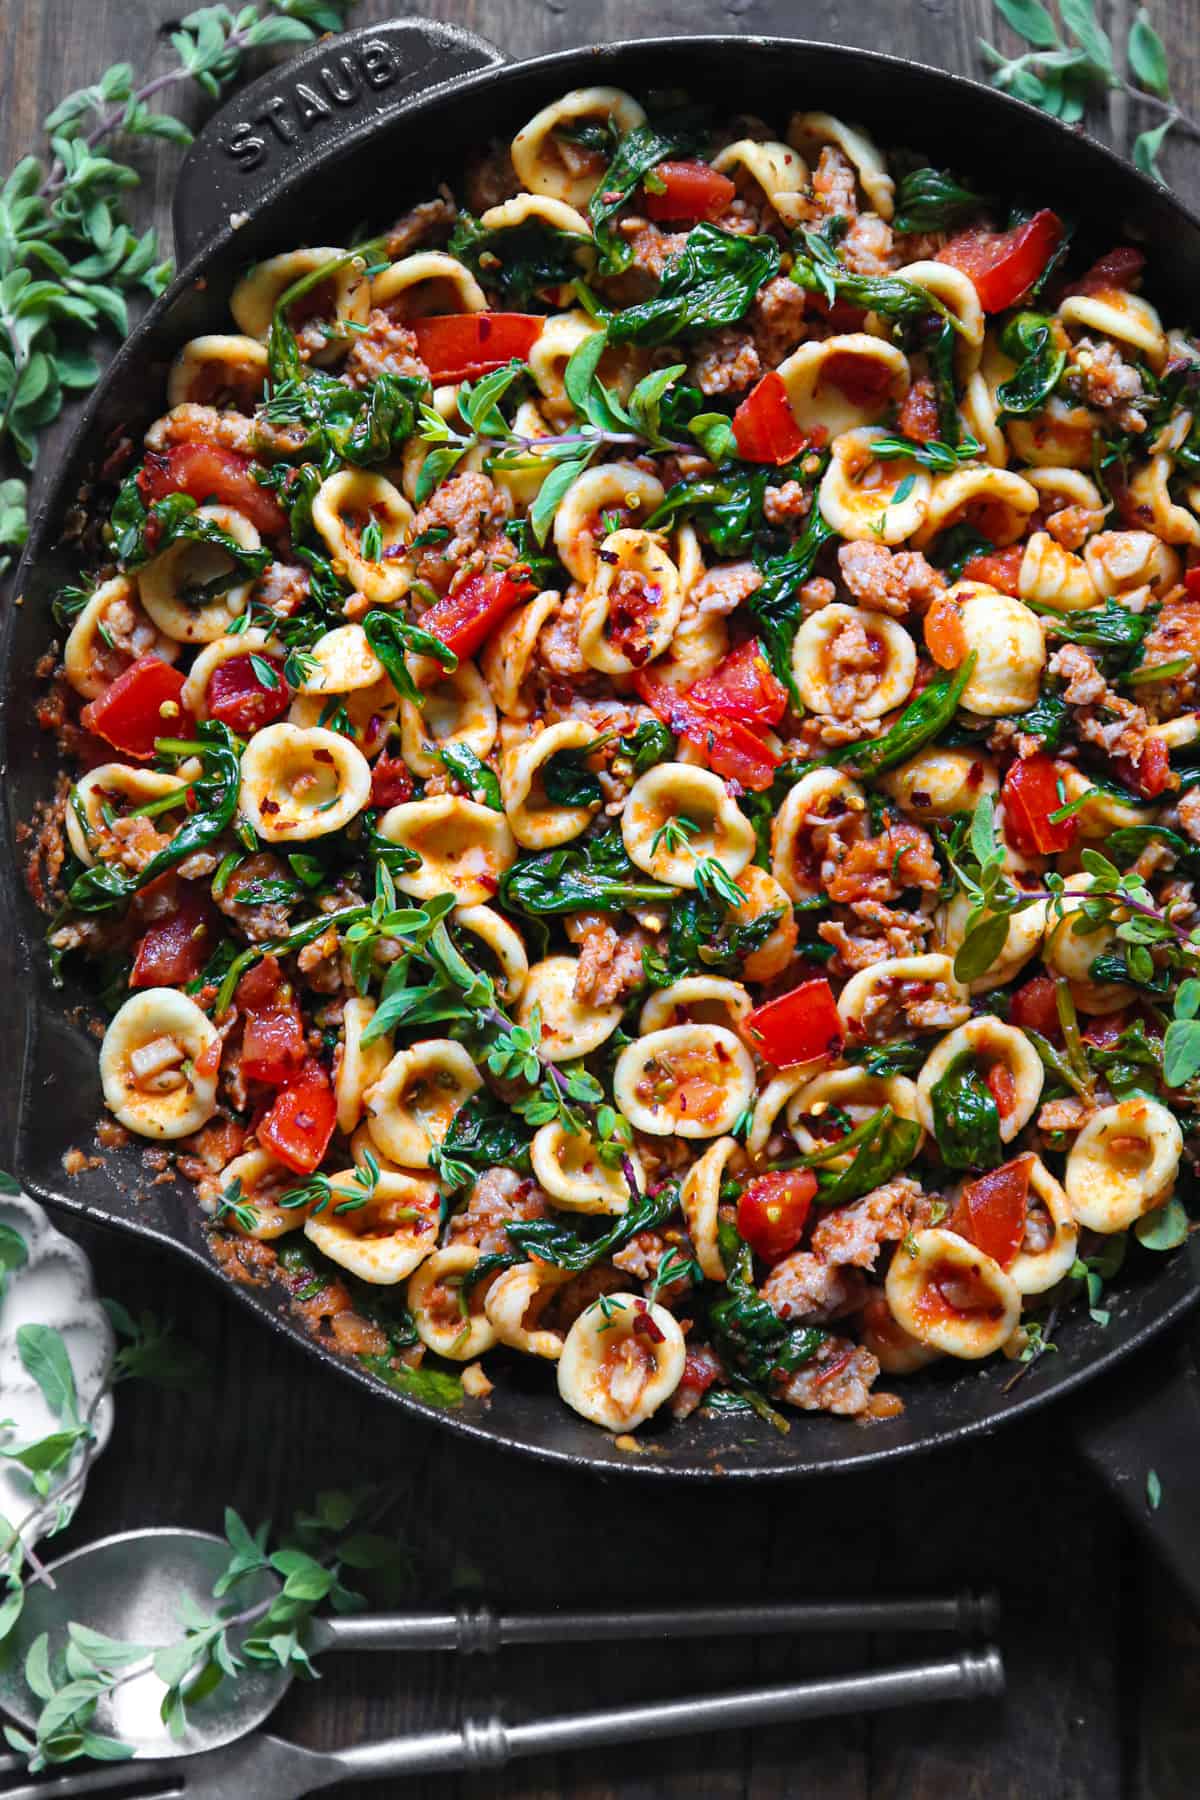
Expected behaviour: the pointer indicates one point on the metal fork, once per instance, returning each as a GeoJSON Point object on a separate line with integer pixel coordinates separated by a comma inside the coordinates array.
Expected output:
{"type": "Point", "coordinates": [270, 1769]}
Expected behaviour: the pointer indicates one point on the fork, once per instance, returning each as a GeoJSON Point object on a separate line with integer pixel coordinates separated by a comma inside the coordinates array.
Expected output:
{"type": "Point", "coordinates": [271, 1769]}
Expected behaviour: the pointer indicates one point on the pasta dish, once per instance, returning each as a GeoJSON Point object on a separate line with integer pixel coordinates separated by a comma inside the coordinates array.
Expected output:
{"type": "Point", "coordinates": [630, 789]}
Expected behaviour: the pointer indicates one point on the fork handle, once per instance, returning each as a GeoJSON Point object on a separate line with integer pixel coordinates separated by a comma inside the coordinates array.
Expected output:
{"type": "Point", "coordinates": [479, 1629]}
{"type": "Point", "coordinates": [489, 1744]}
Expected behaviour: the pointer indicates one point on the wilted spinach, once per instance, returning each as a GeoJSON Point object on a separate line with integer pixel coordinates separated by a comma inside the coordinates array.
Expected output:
{"type": "Point", "coordinates": [747, 1333]}
{"type": "Point", "coordinates": [591, 873]}
{"type": "Point", "coordinates": [1029, 340]}
{"type": "Point", "coordinates": [518, 260]}
{"type": "Point", "coordinates": [712, 281]}
{"type": "Point", "coordinates": [966, 1118]}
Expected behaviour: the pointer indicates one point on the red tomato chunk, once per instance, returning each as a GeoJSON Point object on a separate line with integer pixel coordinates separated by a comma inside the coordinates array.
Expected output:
{"type": "Point", "coordinates": [764, 424]}
{"type": "Point", "coordinates": [798, 1026]}
{"type": "Point", "coordinates": [461, 346]}
{"type": "Point", "coordinates": [743, 687]}
{"type": "Point", "coordinates": [1004, 264]}
{"type": "Point", "coordinates": [239, 697]}
{"type": "Point", "coordinates": [300, 1124]}
{"type": "Point", "coordinates": [773, 1210]}
{"type": "Point", "coordinates": [991, 1210]}
{"type": "Point", "coordinates": [686, 191]}
{"type": "Point", "coordinates": [1030, 795]}
{"type": "Point", "coordinates": [175, 950]}
{"type": "Point", "coordinates": [142, 704]}
{"type": "Point", "coordinates": [465, 618]}
{"type": "Point", "coordinates": [208, 473]}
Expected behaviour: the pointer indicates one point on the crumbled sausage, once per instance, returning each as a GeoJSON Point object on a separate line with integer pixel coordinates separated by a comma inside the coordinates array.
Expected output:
{"type": "Point", "coordinates": [725, 362]}
{"type": "Point", "coordinates": [386, 347]}
{"type": "Point", "coordinates": [474, 512]}
{"type": "Point", "coordinates": [895, 582]}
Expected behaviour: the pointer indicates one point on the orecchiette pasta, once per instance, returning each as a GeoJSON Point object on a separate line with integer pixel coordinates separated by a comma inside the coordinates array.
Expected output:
{"type": "Point", "coordinates": [384, 1239]}
{"type": "Point", "coordinates": [545, 152]}
{"type": "Point", "coordinates": [946, 1293]}
{"type": "Point", "coordinates": [570, 1168]}
{"type": "Point", "coordinates": [616, 1370]}
{"type": "Point", "coordinates": [299, 784]}
{"type": "Point", "coordinates": [174, 587]}
{"type": "Point", "coordinates": [713, 828]}
{"type": "Point", "coordinates": [700, 1203]}
{"type": "Point", "coordinates": [867, 501]}
{"type": "Point", "coordinates": [464, 847]}
{"type": "Point", "coordinates": [537, 821]}
{"type": "Point", "coordinates": [988, 1043]}
{"type": "Point", "coordinates": [344, 507]}
{"type": "Point", "coordinates": [448, 1312]}
{"type": "Point", "coordinates": [632, 604]}
{"type": "Point", "coordinates": [1123, 1163]}
{"type": "Point", "coordinates": [569, 1027]}
{"type": "Point", "coordinates": [111, 630]}
{"type": "Point", "coordinates": [411, 1105]}
{"type": "Point", "coordinates": [456, 710]}
{"type": "Point", "coordinates": [158, 1064]}
{"type": "Point", "coordinates": [846, 661]}
{"type": "Point", "coordinates": [693, 1080]}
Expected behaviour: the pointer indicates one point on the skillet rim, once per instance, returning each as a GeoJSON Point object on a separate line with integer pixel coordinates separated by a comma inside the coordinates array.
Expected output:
{"type": "Point", "coordinates": [319, 164]}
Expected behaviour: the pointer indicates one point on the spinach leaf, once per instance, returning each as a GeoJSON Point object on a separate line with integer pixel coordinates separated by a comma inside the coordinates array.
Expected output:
{"type": "Point", "coordinates": [345, 424]}
{"type": "Point", "coordinates": [922, 719]}
{"type": "Point", "coordinates": [1110, 629]}
{"type": "Point", "coordinates": [393, 639]}
{"type": "Point", "coordinates": [216, 791]}
{"type": "Point", "coordinates": [747, 1333]}
{"type": "Point", "coordinates": [592, 872]}
{"type": "Point", "coordinates": [1130, 840]}
{"type": "Point", "coordinates": [432, 1387]}
{"type": "Point", "coordinates": [1132, 1064]}
{"type": "Point", "coordinates": [703, 937]}
{"type": "Point", "coordinates": [884, 1144]}
{"type": "Point", "coordinates": [966, 1119]}
{"type": "Point", "coordinates": [545, 570]}
{"type": "Point", "coordinates": [483, 1134]}
{"type": "Point", "coordinates": [568, 781]}
{"type": "Point", "coordinates": [902, 1056]}
{"type": "Point", "coordinates": [1046, 719]}
{"type": "Point", "coordinates": [818, 269]}
{"type": "Point", "coordinates": [518, 260]}
{"type": "Point", "coordinates": [955, 548]}
{"type": "Point", "coordinates": [939, 351]}
{"type": "Point", "coordinates": [1029, 340]}
{"type": "Point", "coordinates": [775, 606]}
{"type": "Point", "coordinates": [712, 281]}
{"type": "Point", "coordinates": [480, 781]}
{"type": "Point", "coordinates": [555, 1242]}
{"type": "Point", "coordinates": [649, 743]}
{"type": "Point", "coordinates": [142, 532]}
{"type": "Point", "coordinates": [932, 200]}
{"type": "Point", "coordinates": [727, 508]}
{"type": "Point", "coordinates": [638, 151]}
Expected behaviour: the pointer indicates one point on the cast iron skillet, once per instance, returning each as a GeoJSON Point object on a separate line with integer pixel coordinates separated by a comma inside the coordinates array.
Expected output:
{"type": "Point", "coordinates": [349, 134]}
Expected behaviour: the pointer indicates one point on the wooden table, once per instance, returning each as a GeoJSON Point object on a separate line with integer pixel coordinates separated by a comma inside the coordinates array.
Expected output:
{"type": "Point", "coordinates": [1104, 1661]}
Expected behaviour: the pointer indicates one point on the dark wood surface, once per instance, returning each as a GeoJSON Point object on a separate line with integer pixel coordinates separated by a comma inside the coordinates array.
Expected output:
{"type": "Point", "coordinates": [1103, 1657]}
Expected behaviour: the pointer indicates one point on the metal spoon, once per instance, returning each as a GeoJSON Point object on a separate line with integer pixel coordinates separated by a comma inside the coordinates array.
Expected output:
{"type": "Point", "coordinates": [131, 1587]}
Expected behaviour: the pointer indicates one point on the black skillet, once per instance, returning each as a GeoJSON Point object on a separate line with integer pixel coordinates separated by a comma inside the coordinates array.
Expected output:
{"type": "Point", "coordinates": [348, 134]}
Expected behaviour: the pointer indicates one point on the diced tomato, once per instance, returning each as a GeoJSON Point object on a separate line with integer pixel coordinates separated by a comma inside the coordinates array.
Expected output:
{"type": "Point", "coordinates": [991, 1210]}
{"type": "Point", "coordinates": [174, 950]}
{"type": "Point", "coordinates": [999, 569]}
{"type": "Point", "coordinates": [300, 1123]}
{"type": "Point", "coordinates": [239, 698]}
{"type": "Point", "coordinates": [1030, 794]}
{"type": "Point", "coordinates": [1116, 270]}
{"type": "Point", "coordinates": [764, 424]}
{"type": "Point", "coordinates": [273, 1046]}
{"type": "Point", "coordinates": [865, 381]}
{"type": "Point", "coordinates": [1153, 774]}
{"type": "Point", "coordinates": [209, 473]}
{"type": "Point", "coordinates": [467, 616]}
{"type": "Point", "coordinates": [773, 1209]}
{"type": "Point", "coordinates": [743, 687]}
{"type": "Point", "coordinates": [945, 638]}
{"type": "Point", "coordinates": [689, 191]}
{"type": "Point", "coordinates": [798, 1026]}
{"type": "Point", "coordinates": [730, 748]}
{"type": "Point", "coordinates": [1002, 1088]}
{"type": "Point", "coordinates": [460, 346]}
{"type": "Point", "coordinates": [1034, 1007]}
{"type": "Point", "coordinates": [1104, 1031]}
{"type": "Point", "coordinates": [918, 416]}
{"type": "Point", "coordinates": [1003, 265]}
{"type": "Point", "coordinates": [1191, 582]}
{"type": "Point", "coordinates": [259, 986]}
{"type": "Point", "coordinates": [142, 704]}
{"type": "Point", "coordinates": [391, 782]}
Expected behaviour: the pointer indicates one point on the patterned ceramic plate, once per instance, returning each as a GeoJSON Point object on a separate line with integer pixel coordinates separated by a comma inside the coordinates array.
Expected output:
{"type": "Point", "coordinates": [54, 1286]}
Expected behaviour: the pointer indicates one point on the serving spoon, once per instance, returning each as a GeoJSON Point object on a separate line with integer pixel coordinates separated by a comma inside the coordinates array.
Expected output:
{"type": "Point", "coordinates": [131, 1587]}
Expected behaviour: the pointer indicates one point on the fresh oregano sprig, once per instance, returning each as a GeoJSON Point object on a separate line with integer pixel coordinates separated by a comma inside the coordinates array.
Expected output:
{"type": "Point", "coordinates": [69, 257]}
{"type": "Point", "coordinates": [1072, 59]}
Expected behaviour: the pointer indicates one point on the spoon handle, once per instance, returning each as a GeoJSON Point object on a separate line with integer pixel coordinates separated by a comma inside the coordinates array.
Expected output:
{"type": "Point", "coordinates": [479, 1629]}
{"type": "Point", "coordinates": [489, 1744]}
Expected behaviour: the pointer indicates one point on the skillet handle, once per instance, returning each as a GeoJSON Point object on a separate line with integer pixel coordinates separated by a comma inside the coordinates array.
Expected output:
{"type": "Point", "coordinates": [331, 93]}
{"type": "Point", "coordinates": [1148, 1418]}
